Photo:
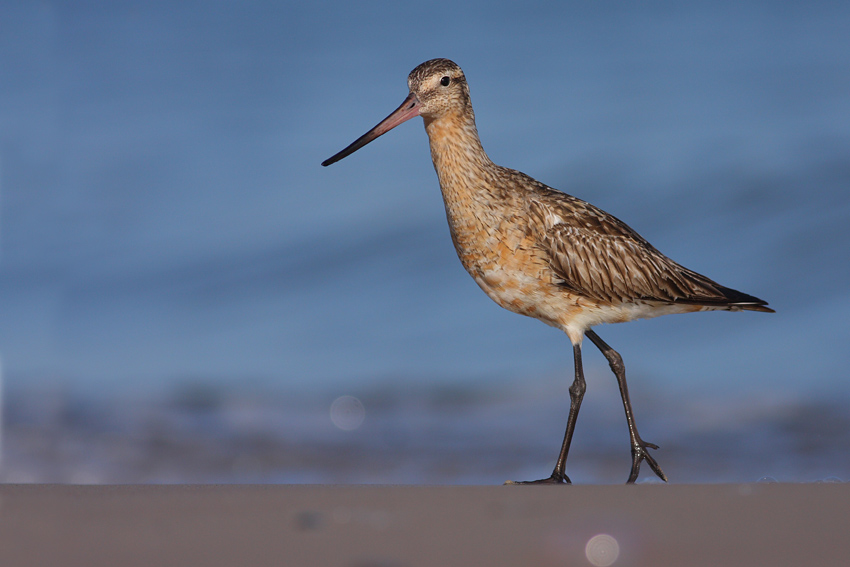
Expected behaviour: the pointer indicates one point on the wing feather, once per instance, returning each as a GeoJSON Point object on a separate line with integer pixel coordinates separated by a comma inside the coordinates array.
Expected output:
{"type": "Point", "coordinates": [596, 255]}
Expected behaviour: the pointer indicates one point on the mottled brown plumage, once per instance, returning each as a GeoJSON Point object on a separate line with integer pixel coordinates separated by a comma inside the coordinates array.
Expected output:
{"type": "Point", "coordinates": [542, 253]}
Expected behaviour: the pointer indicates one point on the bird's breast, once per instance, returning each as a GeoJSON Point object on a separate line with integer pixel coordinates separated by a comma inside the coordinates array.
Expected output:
{"type": "Point", "coordinates": [503, 258]}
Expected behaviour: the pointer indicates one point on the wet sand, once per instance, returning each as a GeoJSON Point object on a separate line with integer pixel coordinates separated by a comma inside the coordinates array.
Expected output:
{"type": "Point", "coordinates": [397, 526]}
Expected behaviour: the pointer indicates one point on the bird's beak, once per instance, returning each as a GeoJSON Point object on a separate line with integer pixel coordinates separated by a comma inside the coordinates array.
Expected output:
{"type": "Point", "coordinates": [408, 109]}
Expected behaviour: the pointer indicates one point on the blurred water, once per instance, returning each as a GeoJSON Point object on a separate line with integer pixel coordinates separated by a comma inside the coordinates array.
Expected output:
{"type": "Point", "coordinates": [431, 436]}
{"type": "Point", "coordinates": [165, 220]}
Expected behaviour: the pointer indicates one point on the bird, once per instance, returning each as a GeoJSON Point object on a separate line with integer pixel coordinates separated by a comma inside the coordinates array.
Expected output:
{"type": "Point", "coordinates": [542, 253]}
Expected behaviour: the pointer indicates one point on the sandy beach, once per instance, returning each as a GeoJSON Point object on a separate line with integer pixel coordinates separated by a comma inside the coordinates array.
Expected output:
{"type": "Point", "coordinates": [395, 526]}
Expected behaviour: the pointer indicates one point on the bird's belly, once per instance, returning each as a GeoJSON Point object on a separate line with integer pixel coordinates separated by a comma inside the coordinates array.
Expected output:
{"type": "Point", "coordinates": [518, 280]}
{"type": "Point", "coordinates": [525, 295]}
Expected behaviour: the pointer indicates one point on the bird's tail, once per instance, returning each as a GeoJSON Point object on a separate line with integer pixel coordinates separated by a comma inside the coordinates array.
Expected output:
{"type": "Point", "coordinates": [740, 300]}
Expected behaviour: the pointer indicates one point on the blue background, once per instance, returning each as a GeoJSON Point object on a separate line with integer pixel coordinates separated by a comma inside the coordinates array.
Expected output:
{"type": "Point", "coordinates": [166, 222]}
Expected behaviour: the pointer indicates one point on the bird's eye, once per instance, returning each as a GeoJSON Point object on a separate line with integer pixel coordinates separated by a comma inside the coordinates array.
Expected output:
{"type": "Point", "coordinates": [445, 81]}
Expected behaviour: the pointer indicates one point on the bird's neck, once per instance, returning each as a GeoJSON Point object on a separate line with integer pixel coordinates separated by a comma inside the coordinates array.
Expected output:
{"type": "Point", "coordinates": [456, 151]}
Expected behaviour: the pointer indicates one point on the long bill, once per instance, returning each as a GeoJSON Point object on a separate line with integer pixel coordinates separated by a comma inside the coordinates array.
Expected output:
{"type": "Point", "coordinates": [408, 109]}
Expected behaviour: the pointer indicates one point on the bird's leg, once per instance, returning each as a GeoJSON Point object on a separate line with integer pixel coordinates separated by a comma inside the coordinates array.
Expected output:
{"type": "Point", "coordinates": [640, 448]}
{"type": "Point", "coordinates": [559, 475]}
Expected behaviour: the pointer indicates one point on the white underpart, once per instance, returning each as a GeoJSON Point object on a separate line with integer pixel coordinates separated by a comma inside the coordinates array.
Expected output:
{"type": "Point", "coordinates": [592, 316]}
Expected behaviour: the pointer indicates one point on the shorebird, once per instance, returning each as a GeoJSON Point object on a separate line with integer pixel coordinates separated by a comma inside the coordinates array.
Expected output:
{"type": "Point", "coordinates": [542, 253]}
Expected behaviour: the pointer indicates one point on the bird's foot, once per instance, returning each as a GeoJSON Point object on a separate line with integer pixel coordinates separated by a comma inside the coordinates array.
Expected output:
{"type": "Point", "coordinates": [640, 453]}
{"type": "Point", "coordinates": [556, 478]}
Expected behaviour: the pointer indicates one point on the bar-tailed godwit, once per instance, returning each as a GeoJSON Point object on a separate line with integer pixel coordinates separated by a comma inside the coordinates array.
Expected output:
{"type": "Point", "coordinates": [542, 253]}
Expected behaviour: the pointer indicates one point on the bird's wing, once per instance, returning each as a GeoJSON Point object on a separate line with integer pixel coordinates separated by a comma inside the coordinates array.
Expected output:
{"type": "Point", "coordinates": [598, 256]}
